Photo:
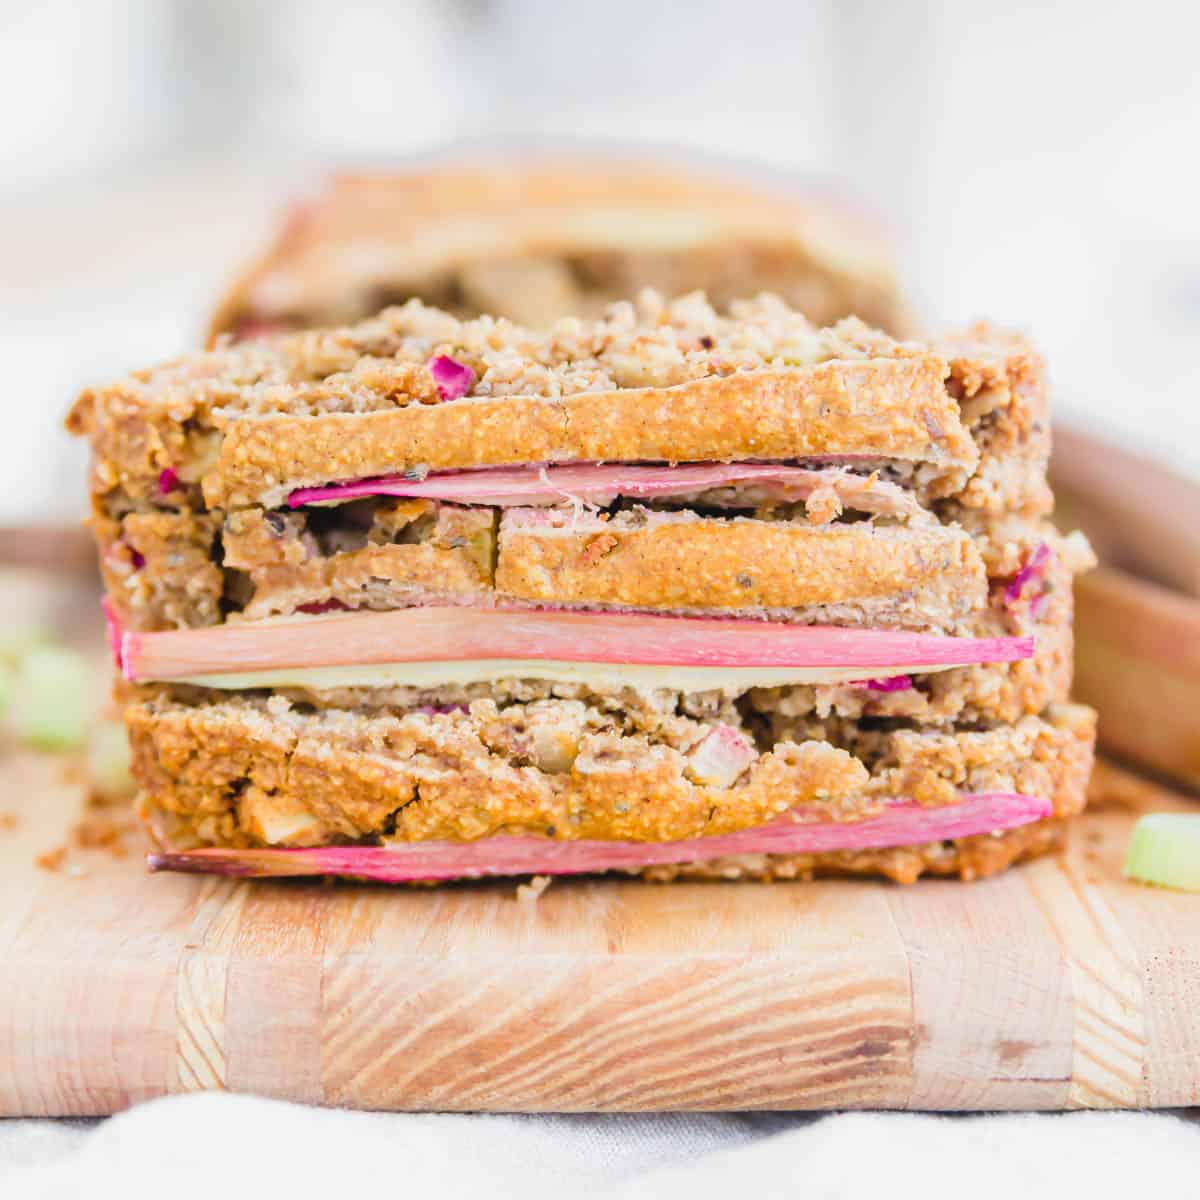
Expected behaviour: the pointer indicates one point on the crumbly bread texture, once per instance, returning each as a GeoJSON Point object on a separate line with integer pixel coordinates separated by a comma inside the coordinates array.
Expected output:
{"type": "Point", "coordinates": [1000, 384]}
{"type": "Point", "coordinates": [159, 568]}
{"type": "Point", "coordinates": [249, 771]}
{"type": "Point", "coordinates": [535, 241]}
{"type": "Point", "coordinates": [671, 382]}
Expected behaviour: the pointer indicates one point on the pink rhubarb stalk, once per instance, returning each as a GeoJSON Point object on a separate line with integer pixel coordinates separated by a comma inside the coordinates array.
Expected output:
{"type": "Point", "coordinates": [116, 631]}
{"type": "Point", "coordinates": [478, 634]}
{"type": "Point", "coordinates": [902, 824]}
{"type": "Point", "coordinates": [601, 484]}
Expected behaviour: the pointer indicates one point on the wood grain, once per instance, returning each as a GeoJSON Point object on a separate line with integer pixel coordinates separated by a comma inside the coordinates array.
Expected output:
{"type": "Point", "coordinates": [990, 983]}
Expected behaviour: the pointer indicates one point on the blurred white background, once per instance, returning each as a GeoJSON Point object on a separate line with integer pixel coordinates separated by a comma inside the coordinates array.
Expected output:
{"type": "Point", "coordinates": [1038, 162]}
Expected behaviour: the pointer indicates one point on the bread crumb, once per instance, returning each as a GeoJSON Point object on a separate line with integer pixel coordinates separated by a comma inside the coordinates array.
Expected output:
{"type": "Point", "coordinates": [51, 860]}
{"type": "Point", "coordinates": [72, 771]}
{"type": "Point", "coordinates": [602, 545]}
{"type": "Point", "coordinates": [104, 831]}
{"type": "Point", "coordinates": [529, 893]}
{"type": "Point", "coordinates": [823, 505]}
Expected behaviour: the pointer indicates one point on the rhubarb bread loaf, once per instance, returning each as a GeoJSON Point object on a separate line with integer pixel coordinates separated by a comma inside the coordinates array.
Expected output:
{"type": "Point", "coordinates": [538, 240]}
{"type": "Point", "coordinates": [670, 590]}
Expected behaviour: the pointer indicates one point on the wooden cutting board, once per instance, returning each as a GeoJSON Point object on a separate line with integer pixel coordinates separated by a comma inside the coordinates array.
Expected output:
{"type": "Point", "coordinates": [1057, 985]}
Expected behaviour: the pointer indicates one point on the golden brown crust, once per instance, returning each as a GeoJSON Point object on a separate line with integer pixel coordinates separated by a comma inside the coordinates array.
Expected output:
{"type": "Point", "coordinates": [397, 234]}
{"type": "Point", "coordinates": [133, 443]}
{"type": "Point", "coordinates": [891, 408]}
{"type": "Point", "coordinates": [858, 573]}
{"type": "Point", "coordinates": [880, 575]}
{"type": "Point", "coordinates": [927, 578]}
{"type": "Point", "coordinates": [243, 772]}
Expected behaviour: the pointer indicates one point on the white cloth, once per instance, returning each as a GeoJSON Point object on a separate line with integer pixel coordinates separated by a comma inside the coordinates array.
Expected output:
{"type": "Point", "coordinates": [220, 1147]}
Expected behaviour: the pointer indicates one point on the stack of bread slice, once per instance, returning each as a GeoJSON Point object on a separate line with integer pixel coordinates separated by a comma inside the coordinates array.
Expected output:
{"type": "Point", "coordinates": [666, 591]}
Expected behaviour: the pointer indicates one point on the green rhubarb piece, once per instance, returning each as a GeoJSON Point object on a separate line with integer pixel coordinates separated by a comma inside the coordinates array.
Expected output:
{"type": "Point", "coordinates": [1165, 850]}
{"type": "Point", "coordinates": [108, 760]}
{"type": "Point", "coordinates": [54, 698]}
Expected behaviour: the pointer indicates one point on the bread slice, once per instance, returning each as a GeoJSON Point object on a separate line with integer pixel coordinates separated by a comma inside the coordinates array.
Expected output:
{"type": "Point", "coordinates": [159, 566]}
{"type": "Point", "coordinates": [249, 771]}
{"type": "Point", "coordinates": [249, 424]}
{"type": "Point", "coordinates": [538, 240]}
{"type": "Point", "coordinates": [671, 383]}
{"type": "Point", "coordinates": [858, 573]}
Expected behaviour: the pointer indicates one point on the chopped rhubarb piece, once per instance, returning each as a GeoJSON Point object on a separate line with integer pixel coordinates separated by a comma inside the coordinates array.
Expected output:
{"type": "Point", "coordinates": [901, 824]}
{"type": "Point", "coordinates": [322, 606]}
{"type": "Point", "coordinates": [720, 756]}
{"type": "Point", "coordinates": [415, 635]}
{"type": "Point", "coordinates": [1035, 568]}
{"type": "Point", "coordinates": [452, 378]}
{"type": "Point", "coordinates": [601, 483]}
{"type": "Point", "coordinates": [893, 683]}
